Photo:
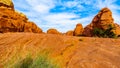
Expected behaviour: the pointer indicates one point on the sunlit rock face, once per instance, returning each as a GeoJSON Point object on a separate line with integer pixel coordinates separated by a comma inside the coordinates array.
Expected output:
{"type": "Point", "coordinates": [53, 31]}
{"type": "Point", "coordinates": [102, 20]}
{"type": "Point", "coordinates": [14, 21]}
{"type": "Point", "coordinates": [7, 3]}
{"type": "Point", "coordinates": [78, 30]}
{"type": "Point", "coordinates": [69, 33]}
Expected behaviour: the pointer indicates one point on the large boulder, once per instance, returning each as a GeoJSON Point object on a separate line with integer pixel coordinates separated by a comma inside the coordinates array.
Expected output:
{"type": "Point", "coordinates": [102, 20]}
{"type": "Point", "coordinates": [12, 21]}
{"type": "Point", "coordinates": [78, 30]}
{"type": "Point", "coordinates": [53, 31]}
{"type": "Point", "coordinates": [7, 3]}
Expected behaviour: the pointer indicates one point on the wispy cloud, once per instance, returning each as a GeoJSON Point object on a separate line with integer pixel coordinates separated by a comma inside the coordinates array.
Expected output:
{"type": "Point", "coordinates": [41, 6]}
{"type": "Point", "coordinates": [64, 14]}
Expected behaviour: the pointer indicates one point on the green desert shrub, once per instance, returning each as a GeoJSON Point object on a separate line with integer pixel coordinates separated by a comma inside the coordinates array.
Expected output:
{"type": "Point", "coordinates": [39, 62]}
{"type": "Point", "coordinates": [24, 63]}
{"type": "Point", "coordinates": [108, 33]}
{"type": "Point", "coordinates": [43, 62]}
{"type": "Point", "coordinates": [98, 32]}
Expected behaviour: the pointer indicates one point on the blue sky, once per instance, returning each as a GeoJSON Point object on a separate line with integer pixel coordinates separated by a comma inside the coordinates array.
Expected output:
{"type": "Point", "coordinates": [65, 14]}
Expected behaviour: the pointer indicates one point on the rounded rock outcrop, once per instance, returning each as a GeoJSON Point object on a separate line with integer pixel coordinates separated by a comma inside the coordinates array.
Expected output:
{"type": "Point", "coordinates": [102, 20]}
{"type": "Point", "coordinates": [53, 31]}
{"type": "Point", "coordinates": [78, 30]}
{"type": "Point", "coordinates": [69, 33]}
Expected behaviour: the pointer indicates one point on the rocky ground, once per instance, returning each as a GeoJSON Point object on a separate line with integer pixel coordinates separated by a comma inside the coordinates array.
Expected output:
{"type": "Point", "coordinates": [67, 51]}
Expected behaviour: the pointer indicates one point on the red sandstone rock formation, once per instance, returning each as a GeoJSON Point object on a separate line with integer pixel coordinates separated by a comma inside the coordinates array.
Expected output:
{"type": "Point", "coordinates": [78, 30]}
{"type": "Point", "coordinates": [12, 21]}
{"type": "Point", "coordinates": [69, 33]}
{"type": "Point", "coordinates": [101, 20]}
{"type": "Point", "coordinates": [53, 31]}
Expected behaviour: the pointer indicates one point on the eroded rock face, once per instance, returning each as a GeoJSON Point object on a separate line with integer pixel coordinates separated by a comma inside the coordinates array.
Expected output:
{"type": "Point", "coordinates": [7, 3]}
{"type": "Point", "coordinates": [53, 31]}
{"type": "Point", "coordinates": [12, 21]}
{"type": "Point", "coordinates": [88, 30]}
{"type": "Point", "coordinates": [78, 30]}
{"type": "Point", "coordinates": [102, 20]}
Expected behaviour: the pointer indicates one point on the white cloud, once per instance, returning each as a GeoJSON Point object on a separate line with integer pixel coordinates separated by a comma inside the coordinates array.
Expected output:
{"type": "Point", "coordinates": [106, 3]}
{"type": "Point", "coordinates": [71, 4]}
{"type": "Point", "coordinates": [41, 6]}
{"type": "Point", "coordinates": [116, 17]}
{"type": "Point", "coordinates": [64, 22]}
{"type": "Point", "coordinates": [60, 16]}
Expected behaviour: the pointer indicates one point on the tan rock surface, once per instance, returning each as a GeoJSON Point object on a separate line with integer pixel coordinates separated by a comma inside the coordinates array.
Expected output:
{"type": "Point", "coordinates": [78, 30]}
{"type": "Point", "coordinates": [7, 3]}
{"type": "Point", "coordinates": [69, 52]}
{"type": "Point", "coordinates": [69, 33]}
{"type": "Point", "coordinates": [88, 30]}
{"type": "Point", "coordinates": [103, 19]}
{"type": "Point", "coordinates": [53, 31]}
